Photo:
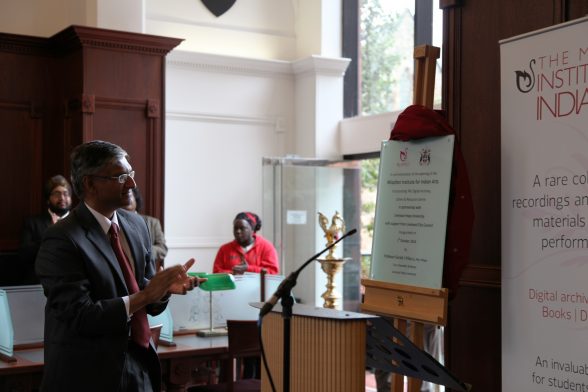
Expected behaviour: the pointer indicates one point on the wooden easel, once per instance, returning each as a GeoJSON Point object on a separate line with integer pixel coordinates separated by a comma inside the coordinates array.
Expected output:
{"type": "Point", "coordinates": [425, 60]}
{"type": "Point", "coordinates": [404, 303]}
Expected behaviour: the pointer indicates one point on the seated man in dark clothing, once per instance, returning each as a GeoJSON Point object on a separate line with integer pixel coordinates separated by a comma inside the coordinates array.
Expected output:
{"type": "Point", "coordinates": [57, 193]}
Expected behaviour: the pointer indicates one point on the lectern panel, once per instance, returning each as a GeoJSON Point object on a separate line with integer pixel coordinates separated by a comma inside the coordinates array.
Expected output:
{"type": "Point", "coordinates": [327, 354]}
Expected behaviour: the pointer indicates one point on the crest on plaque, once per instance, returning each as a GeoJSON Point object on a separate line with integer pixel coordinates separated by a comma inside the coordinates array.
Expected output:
{"type": "Point", "coordinates": [425, 157]}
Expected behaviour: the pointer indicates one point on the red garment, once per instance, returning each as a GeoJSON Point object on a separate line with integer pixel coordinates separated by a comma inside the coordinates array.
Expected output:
{"type": "Point", "coordinates": [261, 255]}
{"type": "Point", "coordinates": [417, 122]}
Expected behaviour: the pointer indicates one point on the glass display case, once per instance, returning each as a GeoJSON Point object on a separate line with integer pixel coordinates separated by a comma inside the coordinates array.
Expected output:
{"type": "Point", "coordinates": [294, 191]}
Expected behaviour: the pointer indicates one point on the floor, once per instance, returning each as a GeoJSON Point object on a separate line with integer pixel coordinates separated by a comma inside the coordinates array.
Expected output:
{"type": "Point", "coordinates": [370, 382]}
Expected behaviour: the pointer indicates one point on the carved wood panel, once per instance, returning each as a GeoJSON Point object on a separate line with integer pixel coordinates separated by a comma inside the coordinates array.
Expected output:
{"type": "Point", "coordinates": [81, 84]}
{"type": "Point", "coordinates": [128, 124]}
{"type": "Point", "coordinates": [21, 168]}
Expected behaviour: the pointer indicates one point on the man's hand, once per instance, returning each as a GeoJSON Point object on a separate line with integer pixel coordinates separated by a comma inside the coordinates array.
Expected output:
{"type": "Point", "coordinates": [172, 280]}
{"type": "Point", "coordinates": [186, 284]}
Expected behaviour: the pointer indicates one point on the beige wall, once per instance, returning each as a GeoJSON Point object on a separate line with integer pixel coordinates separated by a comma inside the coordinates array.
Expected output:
{"type": "Point", "coordinates": [44, 18]}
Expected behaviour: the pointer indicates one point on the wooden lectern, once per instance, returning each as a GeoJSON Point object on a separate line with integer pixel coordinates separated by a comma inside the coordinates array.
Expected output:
{"type": "Point", "coordinates": [327, 349]}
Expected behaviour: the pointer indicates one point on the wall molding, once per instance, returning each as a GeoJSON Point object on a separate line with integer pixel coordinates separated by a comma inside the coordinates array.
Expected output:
{"type": "Point", "coordinates": [196, 242]}
{"type": "Point", "coordinates": [364, 134]}
{"type": "Point", "coordinates": [276, 123]}
{"type": "Point", "coordinates": [25, 45]}
{"type": "Point", "coordinates": [241, 29]}
{"type": "Point", "coordinates": [33, 108]}
{"type": "Point", "coordinates": [216, 63]}
{"type": "Point", "coordinates": [319, 65]}
{"type": "Point", "coordinates": [75, 37]}
{"type": "Point", "coordinates": [481, 275]}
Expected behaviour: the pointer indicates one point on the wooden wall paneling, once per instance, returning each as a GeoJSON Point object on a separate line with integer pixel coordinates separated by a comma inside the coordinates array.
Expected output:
{"type": "Point", "coordinates": [471, 98]}
{"type": "Point", "coordinates": [575, 9]}
{"type": "Point", "coordinates": [53, 146]}
{"type": "Point", "coordinates": [20, 154]}
{"type": "Point", "coordinates": [80, 84]}
{"type": "Point", "coordinates": [480, 106]}
{"type": "Point", "coordinates": [22, 107]}
{"type": "Point", "coordinates": [156, 149]}
{"type": "Point", "coordinates": [475, 343]}
{"type": "Point", "coordinates": [122, 99]}
{"type": "Point", "coordinates": [125, 123]}
{"type": "Point", "coordinates": [69, 116]}
{"type": "Point", "coordinates": [451, 60]}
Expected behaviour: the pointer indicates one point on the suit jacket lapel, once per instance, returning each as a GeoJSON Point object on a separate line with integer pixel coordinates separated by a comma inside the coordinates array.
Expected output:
{"type": "Point", "coordinates": [96, 235]}
{"type": "Point", "coordinates": [135, 244]}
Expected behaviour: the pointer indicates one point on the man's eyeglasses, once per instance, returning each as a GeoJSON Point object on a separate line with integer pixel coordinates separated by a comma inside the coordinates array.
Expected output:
{"type": "Point", "coordinates": [121, 179]}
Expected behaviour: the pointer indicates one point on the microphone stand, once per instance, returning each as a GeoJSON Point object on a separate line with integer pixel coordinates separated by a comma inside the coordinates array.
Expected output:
{"type": "Point", "coordinates": [287, 302]}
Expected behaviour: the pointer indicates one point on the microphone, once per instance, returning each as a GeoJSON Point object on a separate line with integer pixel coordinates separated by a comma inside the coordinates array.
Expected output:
{"type": "Point", "coordinates": [282, 289]}
{"type": "Point", "coordinates": [287, 284]}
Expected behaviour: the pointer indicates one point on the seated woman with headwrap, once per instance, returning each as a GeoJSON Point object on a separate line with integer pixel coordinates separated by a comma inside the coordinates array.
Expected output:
{"type": "Point", "coordinates": [249, 251]}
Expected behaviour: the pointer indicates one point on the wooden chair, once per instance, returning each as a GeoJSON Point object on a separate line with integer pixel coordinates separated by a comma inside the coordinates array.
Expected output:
{"type": "Point", "coordinates": [243, 343]}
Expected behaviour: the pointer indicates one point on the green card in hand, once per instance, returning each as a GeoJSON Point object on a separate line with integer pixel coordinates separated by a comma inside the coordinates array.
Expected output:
{"type": "Point", "coordinates": [215, 282]}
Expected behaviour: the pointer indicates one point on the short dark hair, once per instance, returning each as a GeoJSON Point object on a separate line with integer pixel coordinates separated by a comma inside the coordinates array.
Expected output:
{"type": "Point", "coordinates": [54, 182]}
{"type": "Point", "coordinates": [253, 220]}
{"type": "Point", "coordinates": [89, 158]}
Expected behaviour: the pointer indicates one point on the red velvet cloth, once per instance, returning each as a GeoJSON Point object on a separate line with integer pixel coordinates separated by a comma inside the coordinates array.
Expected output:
{"type": "Point", "coordinates": [417, 122]}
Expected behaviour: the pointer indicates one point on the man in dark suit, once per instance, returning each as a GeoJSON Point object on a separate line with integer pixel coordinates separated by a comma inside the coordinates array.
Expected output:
{"type": "Point", "coordinates": [96, 270]}
{"type": "Point", "coordinates": [57, 193]}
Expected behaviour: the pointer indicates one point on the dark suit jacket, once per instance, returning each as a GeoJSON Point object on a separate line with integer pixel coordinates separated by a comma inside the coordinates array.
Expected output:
{"type": "Point", "coordinates": [30, 241]}
{"type": "Point", "coordinates": [86, 327]}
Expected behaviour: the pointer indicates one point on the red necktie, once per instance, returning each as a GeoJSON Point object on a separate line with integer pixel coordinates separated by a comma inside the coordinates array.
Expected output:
{"type": "Point", "coordinates": [140, 332]}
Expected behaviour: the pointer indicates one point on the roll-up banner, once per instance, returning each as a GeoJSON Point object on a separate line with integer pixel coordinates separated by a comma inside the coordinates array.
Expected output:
{"type": "Point", "coordinates": [544, 169]}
